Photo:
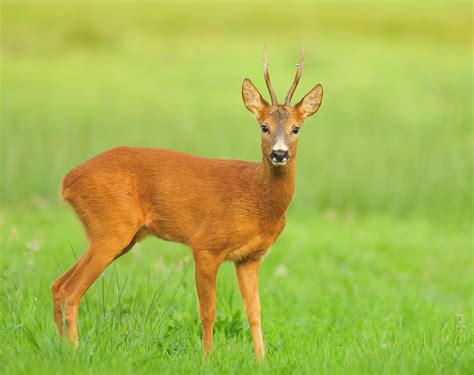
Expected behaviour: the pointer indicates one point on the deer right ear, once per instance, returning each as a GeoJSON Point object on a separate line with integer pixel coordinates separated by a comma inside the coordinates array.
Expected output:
{"type": "Point", "coordinates": [311, 102]}
{"type": "Point", "coordinates": [252, 98]}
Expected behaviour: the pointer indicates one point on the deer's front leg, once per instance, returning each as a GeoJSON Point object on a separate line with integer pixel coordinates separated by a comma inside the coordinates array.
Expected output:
{"type": "Point", "coordinates": [206, 267]}
{"type": "Point", "coordinates": [247, 275]}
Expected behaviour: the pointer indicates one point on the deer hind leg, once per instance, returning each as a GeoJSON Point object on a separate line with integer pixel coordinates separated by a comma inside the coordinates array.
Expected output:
{"type": "Point", "coordinates": [58, 303]}
{"type": "Point", "coordinates": [98, 256]}
{"type": "Point", "coordinates": [58, 310]}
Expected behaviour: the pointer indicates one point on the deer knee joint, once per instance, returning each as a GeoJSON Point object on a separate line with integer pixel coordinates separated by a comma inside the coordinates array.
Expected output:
{"type": "Point", "coordinates": [208, 316]}
{"type": "Point", "coordinates": [254, 322]}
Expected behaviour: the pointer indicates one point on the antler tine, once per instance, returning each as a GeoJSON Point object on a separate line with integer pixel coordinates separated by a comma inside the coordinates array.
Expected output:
{"type": "Point", "coordinates": [297, 79]}
{"type": "Point", "coordinates": [266, 74]}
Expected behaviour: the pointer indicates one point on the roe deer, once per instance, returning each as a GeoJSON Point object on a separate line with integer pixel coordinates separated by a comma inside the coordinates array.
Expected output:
{"type": "Point", "coordinates": [222, 209]}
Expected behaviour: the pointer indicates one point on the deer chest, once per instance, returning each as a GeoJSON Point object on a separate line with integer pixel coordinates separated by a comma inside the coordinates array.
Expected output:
{"type": "Point", "coordinates": [253, 249]}
{"type": "Point", "coordinates": [256, 246]}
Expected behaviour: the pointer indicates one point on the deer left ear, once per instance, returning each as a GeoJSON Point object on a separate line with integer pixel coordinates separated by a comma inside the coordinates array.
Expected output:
{"type": "Point", "coordinates": [311, 102]}
{"type": "Point", "coordinates": [252, 98]}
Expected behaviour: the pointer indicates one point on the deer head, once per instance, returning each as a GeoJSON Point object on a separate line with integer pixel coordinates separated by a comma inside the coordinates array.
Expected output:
{"type": "Point", "coordinates": [280, 123]}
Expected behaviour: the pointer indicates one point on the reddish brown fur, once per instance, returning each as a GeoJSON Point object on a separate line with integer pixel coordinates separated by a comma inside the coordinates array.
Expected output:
{"type": "Point", "coordinates": [222, 209]}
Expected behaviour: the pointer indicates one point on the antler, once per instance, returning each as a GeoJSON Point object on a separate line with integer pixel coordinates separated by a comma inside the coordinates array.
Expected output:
{"type": "Point", "coordinates": [266, 74]}
{"type": "Point", "coordinates": [297, 79]}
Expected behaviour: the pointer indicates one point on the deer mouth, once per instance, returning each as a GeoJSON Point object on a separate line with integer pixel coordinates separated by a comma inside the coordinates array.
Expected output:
{"type": "Point", "coordinates": [279, 162]}
{"type": "Point", "coordinates": [279, 157]}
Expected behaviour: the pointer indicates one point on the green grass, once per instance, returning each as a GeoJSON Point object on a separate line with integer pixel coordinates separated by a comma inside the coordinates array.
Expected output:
{"type": "Point", "coordinates": [339, 294]}
{"type": "Point", "coordinates": [374, 272]}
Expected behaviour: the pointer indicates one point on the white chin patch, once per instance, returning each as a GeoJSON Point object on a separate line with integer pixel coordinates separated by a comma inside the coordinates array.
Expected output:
{"type": "Point", "coordinates": [277, 163]}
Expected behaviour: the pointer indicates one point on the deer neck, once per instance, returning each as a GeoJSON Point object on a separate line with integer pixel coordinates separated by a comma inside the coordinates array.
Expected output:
{"type": "Point", "coordinates": [276, 186]}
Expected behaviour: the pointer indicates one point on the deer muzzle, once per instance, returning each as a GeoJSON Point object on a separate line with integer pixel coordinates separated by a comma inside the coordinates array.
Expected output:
{"type": "Point", "coordinates": [279, 157]}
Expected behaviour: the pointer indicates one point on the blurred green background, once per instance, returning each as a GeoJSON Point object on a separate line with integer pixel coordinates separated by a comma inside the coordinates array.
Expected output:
{"type": "Point", "coordinates": [374, 272]}
{"type": "Point", "coordinates": [394, 134]}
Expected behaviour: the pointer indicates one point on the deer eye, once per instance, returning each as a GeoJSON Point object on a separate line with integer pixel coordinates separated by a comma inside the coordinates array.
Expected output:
{"type": "Point", "coordinates": [295, 130]}
{"type": "Point", "coordinates": [265, 129]}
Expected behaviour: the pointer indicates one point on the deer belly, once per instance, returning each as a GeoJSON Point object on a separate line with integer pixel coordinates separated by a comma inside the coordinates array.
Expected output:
{"type": "Point", "coordinates": [253, 249]}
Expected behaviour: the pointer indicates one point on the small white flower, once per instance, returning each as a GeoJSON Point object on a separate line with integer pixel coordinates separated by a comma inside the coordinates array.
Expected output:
{"type": "Point", "coordinates": [281, 271]}
{"type": "Point", "coordinates": [160, 265]}
{"type": "Point", "coordinates": [33, 245]}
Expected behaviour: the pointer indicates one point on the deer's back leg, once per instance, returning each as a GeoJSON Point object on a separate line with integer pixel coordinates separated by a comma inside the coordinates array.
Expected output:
{"type": "Point", "coordinates": [99, 254]}
{"type": "Point", "coordinates": [109, 209]}
{"type": "Point", "coordinates": [58, 308]}
{"type": "Point", "coordinates": [58, 297]}
{"type": "Point", "coordinates": [112, 228]}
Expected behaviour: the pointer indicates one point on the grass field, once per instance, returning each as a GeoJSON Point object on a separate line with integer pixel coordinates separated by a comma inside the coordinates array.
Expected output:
{"type": "Point", "coordinates": [374, 272]}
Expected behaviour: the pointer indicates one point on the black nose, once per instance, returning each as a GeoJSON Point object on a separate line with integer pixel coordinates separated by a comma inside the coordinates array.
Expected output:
{"type": "Point", "coordinates": [279, 155]}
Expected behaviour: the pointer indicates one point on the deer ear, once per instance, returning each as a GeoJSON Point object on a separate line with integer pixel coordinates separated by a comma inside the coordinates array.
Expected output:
{"type": "Point", "coordinates": [252, 98]}
{"type": "Point", "coordinates": [311, 102]}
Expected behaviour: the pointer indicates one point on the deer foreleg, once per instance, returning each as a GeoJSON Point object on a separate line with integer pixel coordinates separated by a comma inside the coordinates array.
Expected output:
{"type": "Point", "coordinates": [247, 276]}
{"type": "Point", "coordinates": [206, 267]}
